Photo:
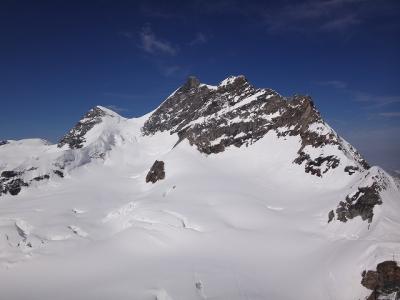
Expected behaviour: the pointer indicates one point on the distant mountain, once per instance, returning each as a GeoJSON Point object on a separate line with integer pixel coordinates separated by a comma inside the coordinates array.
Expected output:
{"type": "Point", "coordinates": [222, 192]}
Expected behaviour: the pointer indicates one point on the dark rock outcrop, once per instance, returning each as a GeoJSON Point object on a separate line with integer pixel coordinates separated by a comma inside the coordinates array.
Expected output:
{"type": "Point", "coordinates": [360, 204]}
{"type": "Point", "coordinates": [314, 166]}
{"type": "Point", "coordinates": [76, 136]}
{"type": "Point", "coordinates": [11, 183]}
{"type": "Point", "coordinates": [157, 172]}
{"type": "Point", "coordinates": [351, 169]}
{"type": "Point", "coordinates": [3, 142]}
{"type": "Point", "coordinates": [237, 114]}
{"type": "Point", "coordinates": [9, 174]}
{"type": "Point", "coordinates": [384, 281]}
{"type": "Point", "coordinates": [331, 215]}
{"type": "Point", "coordinates": [13, 186]}
{"type": "Point", "coordinates": [58, 173]}
{"type": "Point", "coordinates": [363, 200]}
{"type": "Point", "coordinates": [41, 177]}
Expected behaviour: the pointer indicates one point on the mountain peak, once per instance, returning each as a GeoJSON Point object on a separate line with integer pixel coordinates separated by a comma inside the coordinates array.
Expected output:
{"type": "Point", "coordinates": [239, 79]}
{"type": "Point", "coordinates": [191, 82]}
{"type": "Point", "coordinates": [76, 136]}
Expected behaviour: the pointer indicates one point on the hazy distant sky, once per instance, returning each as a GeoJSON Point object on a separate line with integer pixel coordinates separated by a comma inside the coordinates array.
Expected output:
{"type": "Point", "coordinates": [60, 58]}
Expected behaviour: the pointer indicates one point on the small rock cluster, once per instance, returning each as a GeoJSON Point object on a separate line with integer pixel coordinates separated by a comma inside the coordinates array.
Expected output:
{"type": "Point", "coordinates": [11, 183]}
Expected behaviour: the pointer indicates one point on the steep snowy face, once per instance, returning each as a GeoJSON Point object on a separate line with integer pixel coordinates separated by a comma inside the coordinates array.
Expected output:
{"type": "Point", "coordinates": [77, 136]}
{"type": "Point", "coordinates": [237, 114]}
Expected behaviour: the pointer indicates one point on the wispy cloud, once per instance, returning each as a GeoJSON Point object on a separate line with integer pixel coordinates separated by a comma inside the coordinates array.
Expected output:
{"type": "Point", "coordinates": [168, 71]}
{"type": "Point", "coordinates": [378, 145]}
{"type": "Point", "coordinates": [340, 24]}
{"type": "Point", "coordinates": [375, 101]}
{"type": "Point", "coordinates": [151, 44]}
{"type": "Point", "coordinates": [316, 16]}
{"type": "Point", "coordinates": [393, 114]}
{"type": "Point", "coordinates": [337, 84]}
{"type": "Point", "coordinates": [120, 95]}
{"type": "Point", "coordinates": [369, 100]}
{"type": "Point", "coordinates": [126, 34]}
{"type": "Point", "coordinates": [199, 39]}
{"type": "Point", "coordinates": [117, 108]}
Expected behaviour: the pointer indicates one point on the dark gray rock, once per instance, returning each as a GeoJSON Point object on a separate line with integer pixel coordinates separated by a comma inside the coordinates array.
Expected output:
{"type": "Point", "coordinates": [59, 173]}
{"type": "Point", "coordinates": [76, 136]}
{"type": "Point", "coordinates": [360, 204]}
{"type": "Point", "coordinates": [3, 142]}
{"type": "Point", "coordinates": [314, 166]}
{"type": "Point", "coordinates": [14, 186]}
{"type": "Point", "coordinates": [157, 172]}
{"type": "Point", "coordinates": [41, 177]}
{"type": "Point", "coordinates": [351, 169]}
{"type": "Point", "coordinates": [331, 215]}
{"type": "Point", "coordinates": [384, 281]}
{"type": "Point", "coordinates": [11, 183]}
{"type": "Point", "coordinates": [9, 174]}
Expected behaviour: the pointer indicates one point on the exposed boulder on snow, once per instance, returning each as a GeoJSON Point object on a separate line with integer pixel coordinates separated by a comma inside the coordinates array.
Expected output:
{"type": "Point", "coordinates": [156, 172]}
{"type": "Point", "coordinates": [9, 174]}
{"type": "Point", "coordinates": [384, 282]}
{"type": "Point", "coordinates": [3, 142]}
{"type": "Point", "coordinates": [331, 215]}
{"type": "Point", "coordinates": [58, 173]}
{"type": "Point", "coordinates": [351, 169]}
{"type": "Point", "coordinates": [41, 177]}
{"type": "Point", "coordinates": [14, 186]}
{"type": "Point", "coordinates": [237, 114]}
{"type": "Point", "coordinates": [76, 136]}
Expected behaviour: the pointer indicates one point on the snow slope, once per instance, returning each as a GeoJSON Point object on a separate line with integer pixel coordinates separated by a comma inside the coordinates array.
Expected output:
{"type": "Point", "coordinates": [245, 223]}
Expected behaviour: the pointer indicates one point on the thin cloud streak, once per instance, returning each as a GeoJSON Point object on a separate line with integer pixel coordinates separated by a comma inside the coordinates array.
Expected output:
{"type": "Point", "coordinates": [199, 39]}
{"type": "Point", "coordinates": [317, 16]}
{"type": "Point", "coordinates": [151, 44]}
{"type": "Point", "coordinates": [370, 100]}
{"type": "Point", "coordinates": [394, 114]}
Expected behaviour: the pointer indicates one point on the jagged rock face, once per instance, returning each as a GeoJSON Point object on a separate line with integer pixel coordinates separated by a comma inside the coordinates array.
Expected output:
{"type": "Point", "coordinates": [156, 173]}
{"type": "Point", "coordinates": [236, 113]}
{"type": "Point", "coordinates": [361, 202]}
{"type": "Point", "coordinates": [76, 136]}
{"type": "Point", "coordinates": [384, 282]}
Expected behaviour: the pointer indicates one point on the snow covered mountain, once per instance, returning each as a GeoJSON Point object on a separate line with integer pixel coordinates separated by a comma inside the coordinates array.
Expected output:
{"type": "Point", "coordinates": [222, 192]}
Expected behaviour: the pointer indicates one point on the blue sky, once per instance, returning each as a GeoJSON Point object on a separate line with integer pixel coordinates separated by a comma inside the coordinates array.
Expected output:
{"type": "Point", "coordinates": [60, 58]}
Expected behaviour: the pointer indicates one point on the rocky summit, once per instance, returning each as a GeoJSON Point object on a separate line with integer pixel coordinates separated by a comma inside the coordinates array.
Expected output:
{"type": "Point", "coordinates": [224, 191]}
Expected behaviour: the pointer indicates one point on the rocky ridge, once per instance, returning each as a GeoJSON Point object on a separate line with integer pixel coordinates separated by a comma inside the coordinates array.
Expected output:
{"type": "Point", "coordinates": [235, 113]}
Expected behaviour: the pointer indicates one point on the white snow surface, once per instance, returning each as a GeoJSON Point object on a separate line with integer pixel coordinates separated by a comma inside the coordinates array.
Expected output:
{"type": "Point", "coordinates": [246, 223]}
